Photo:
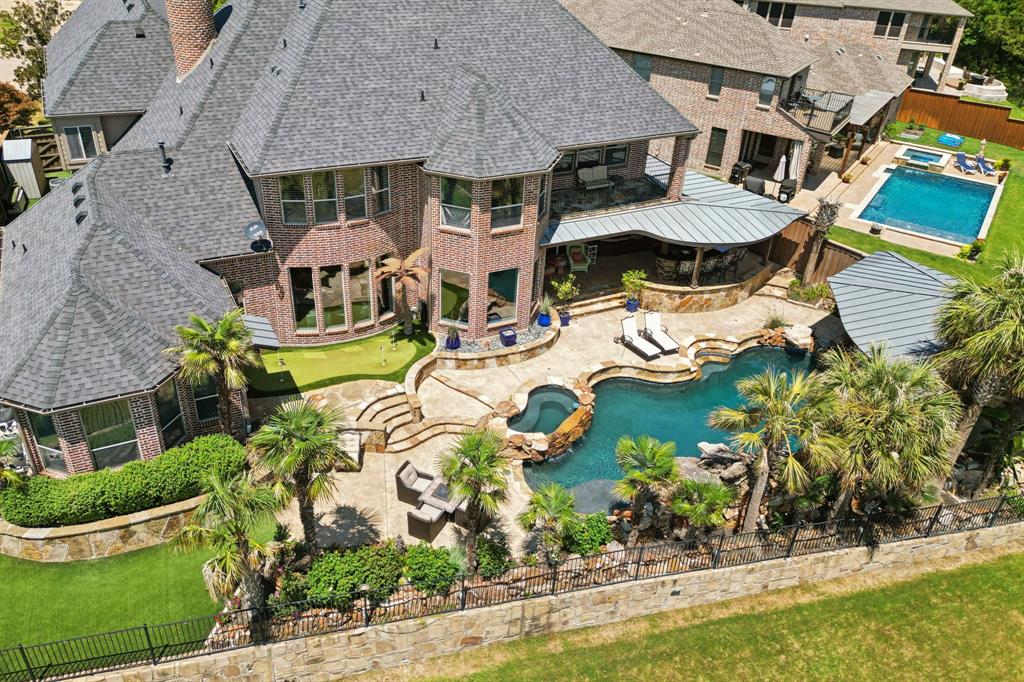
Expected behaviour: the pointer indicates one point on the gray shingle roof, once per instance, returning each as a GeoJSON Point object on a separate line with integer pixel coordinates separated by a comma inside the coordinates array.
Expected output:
{"type": "Point", "coordinates": [96, 64]}
{"type": "Point", "coordinates": [717, 32]}
{"type": "Point", "coordinates": [856, 69]}
{"type": "Point", "coordinates": [571, 89]}
{"type": "Point", "coordinates": [888, 299]}
{"type": "Point", "coordinates": [717, 214]}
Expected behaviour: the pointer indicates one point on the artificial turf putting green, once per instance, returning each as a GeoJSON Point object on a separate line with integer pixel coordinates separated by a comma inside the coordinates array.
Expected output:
{"type": "Point", "coordinates": [310, 367]}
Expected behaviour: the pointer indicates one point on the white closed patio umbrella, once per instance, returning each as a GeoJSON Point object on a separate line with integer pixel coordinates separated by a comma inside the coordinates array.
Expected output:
{"type": "Point", "coordinates": [780, 172]}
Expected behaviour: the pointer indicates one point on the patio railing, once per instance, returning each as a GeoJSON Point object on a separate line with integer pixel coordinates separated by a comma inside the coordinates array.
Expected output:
{"type": "Point", "coordinates": [153, 644]}
{"type": "Point", "coordinates": [576, 202]}
{"type": "Point", "coordinates": [819, 110]}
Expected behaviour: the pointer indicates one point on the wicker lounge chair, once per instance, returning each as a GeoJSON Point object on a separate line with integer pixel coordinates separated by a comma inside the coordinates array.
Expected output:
{"type": "Point", "coordinates": [411, 483]}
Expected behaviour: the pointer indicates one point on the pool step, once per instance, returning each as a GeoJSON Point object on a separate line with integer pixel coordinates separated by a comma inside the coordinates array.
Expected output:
{"type": "Point", "coordinates": [597, 305]}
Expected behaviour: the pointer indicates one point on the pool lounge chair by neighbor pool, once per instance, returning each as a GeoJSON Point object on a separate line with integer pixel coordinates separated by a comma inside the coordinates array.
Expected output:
{"type": "Point", "coordinates": [950, 140]}
{"type": "Point", "coordinates": [631, 339]}
{"type": "Point", "coordinates": [963, 165]}
{"type": "Point", "coordinates": [984, 166]}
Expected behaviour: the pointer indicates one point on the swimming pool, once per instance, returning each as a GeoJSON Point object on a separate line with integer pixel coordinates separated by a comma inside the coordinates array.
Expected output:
{"type": "Point", "coordinates": [932, 204]}
{"type": "Point", "coordinates": [677, 412]}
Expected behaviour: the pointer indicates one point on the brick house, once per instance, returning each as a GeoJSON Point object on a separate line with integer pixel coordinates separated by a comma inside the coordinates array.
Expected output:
{"type": "Point", "coordinates": [347, 132]}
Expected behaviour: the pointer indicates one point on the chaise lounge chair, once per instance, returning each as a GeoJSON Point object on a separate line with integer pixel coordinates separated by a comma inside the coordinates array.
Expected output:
{"type": "Point", "coordinates": [631, 339]}
{"type": "Point", "coordinates": [984, 166]}
{"type": "Point", "coordinates": [655, 332]}
{"type": "Point", "coordinates": [963, 165]}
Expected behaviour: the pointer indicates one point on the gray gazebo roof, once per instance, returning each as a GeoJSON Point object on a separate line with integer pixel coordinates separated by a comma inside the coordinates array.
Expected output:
{"type": "Point", "coordinates": [713, 213]}
{"type": "Point", "coordinates": [888, 299]}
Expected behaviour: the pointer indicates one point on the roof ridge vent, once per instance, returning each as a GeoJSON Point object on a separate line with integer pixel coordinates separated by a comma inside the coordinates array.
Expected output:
{"type": "Point", "coordinates": [437, 45]}
{"type": "Point", "coordinates": [78, 201]}
{"type": "Point", "coordinates": [80, 217]}
{"type": "Point", "coordinates": [75, 187]}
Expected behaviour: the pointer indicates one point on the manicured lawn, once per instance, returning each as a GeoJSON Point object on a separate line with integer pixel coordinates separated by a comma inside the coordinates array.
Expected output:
{"type": "Point", "coordinates": [1005, 235]}
{"type": "Point", "coordinates": [306, 368]}
{"type": "Point", "coordinates": [964, 624]}
{"type": "Point", "coordinates": [1016, 110]}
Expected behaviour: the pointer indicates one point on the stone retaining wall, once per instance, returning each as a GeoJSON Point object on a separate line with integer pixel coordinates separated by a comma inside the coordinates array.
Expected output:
{"type": "Point", "coordinates": [499, 357]}
{"type": "Point", "coordinates": [98, 539]}
{"type": "Point", "coordinates": [347, 653]}
{"type": "Point", "coordinates": [683, 299]}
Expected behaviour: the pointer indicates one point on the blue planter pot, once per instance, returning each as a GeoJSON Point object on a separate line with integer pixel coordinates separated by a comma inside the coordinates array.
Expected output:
{"type": "Point", "coordinates": [508, 337]}
{"type": "Point", "coordinates": [452, 344]}
{"type": "Point", "coordinates": [632, 305]}
{"type": "Point", "coordinates": [544, 319]}
{"type": "Point", "coordinates": [563, 318]}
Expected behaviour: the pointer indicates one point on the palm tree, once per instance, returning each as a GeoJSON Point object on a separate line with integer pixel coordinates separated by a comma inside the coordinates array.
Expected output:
{"type": "Point", "coordinates": [702, 504]}
{"type": "Point", "coordinates": [225, 521]}
{"type": "Point", "coordinates": [219, 350]}
{"type": "Point", "coordinates": [982, 328]}
{"type": "Point", "coordinates": [474, 470]}
{"type": "Point", "coordinates": [824, 218]}
{"type": "Point", "coordinates": [552, 513]}
{"type": "Point", "coordinates": [300, 445]}
{"type": "Point", "coordinates": [407, 275]}
{"type": "Point", "coordinates": [897, 419]}
{"type": "Point", "coordinates": [781, 425]}
{"type": "Point", "coordinates": [650, 470]}
{"type": "Point", "coordinates": [8, 451]}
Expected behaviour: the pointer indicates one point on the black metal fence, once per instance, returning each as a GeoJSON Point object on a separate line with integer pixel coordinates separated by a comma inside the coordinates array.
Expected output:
{"type": "Point", "coordinates": [152, 644]}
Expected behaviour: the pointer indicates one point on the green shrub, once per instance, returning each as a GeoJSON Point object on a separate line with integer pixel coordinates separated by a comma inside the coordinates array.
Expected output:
{"type": "Point", "coordinates": [336, 576]}
{"type": "Point", "coordinates": [292, 589]}
{"type": "Point", "coordinates": [590, 536]}
{"type": "Point", "coordinates": [810, 293]}
{"type": "Point", "coordinates": [493, 557]}
{"type": "Point", "coordinates": [430, 570]}
{"type": "Point", "coordinates": [176, 475]}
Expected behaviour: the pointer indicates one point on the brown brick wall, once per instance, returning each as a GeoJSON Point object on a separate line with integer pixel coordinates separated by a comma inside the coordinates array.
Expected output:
{"type": "Point", "coordinates": [192, 30]}
{"type": "Point", "coordinates": [77, 456]}
{"type": "Point", "coordinates": [28, 438]}
{"type": "Point", "coordinates": [850, 25]}
{"type": "Point", "coordinates": [147, 426]}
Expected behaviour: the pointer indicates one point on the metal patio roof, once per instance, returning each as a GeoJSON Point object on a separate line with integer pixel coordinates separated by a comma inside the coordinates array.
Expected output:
{"type": "Point", "coordinates": [888, 299]}
{"type": "Point", "coordinates": [867, 105]}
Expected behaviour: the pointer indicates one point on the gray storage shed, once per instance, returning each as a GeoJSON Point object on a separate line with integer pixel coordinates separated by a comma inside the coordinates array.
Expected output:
{"type": "Point", "coordinates": [21, 157]}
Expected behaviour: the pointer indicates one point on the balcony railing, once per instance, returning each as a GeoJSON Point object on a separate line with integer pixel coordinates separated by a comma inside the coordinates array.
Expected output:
{"type": "Point", "coordinates": [576, 202]}
{"type": "Point", "coordinates": [821, 111]}
{"type": "Point", "coordinates": [935, 33]}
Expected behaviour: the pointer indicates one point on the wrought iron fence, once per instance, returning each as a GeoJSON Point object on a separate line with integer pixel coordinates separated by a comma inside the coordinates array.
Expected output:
{"type": "Point", "coordinates": [819, 110]}
{"type": "Point", "coordinates": [152, 644]}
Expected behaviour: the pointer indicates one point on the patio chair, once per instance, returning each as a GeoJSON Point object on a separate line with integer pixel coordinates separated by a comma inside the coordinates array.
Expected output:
{"type": "Point", "coordinates": [426, 521]}
{"type": "Point", "coordinates": [579, 261]}
{"type": "Point", "coordinates": [710, 266]}
{"type": "Point", "coordinates": [594, 177]}
{"type": "Point", "coordinates": [963, 165]}
{"type": "Point", "coordinates": [755, 185]}
{"type": "Point", "coordinates": [733, 259]}
{"type": "Point", "coordinates": [411, 483]}
{"type": "Point", "coordinates": [984, 166]}
{"type": "Point", "coordinates": [631, 339]}
{"type": "Point", "coordinates": [655, 332]}
{"type": "Point", "coordinates": [684, 271]}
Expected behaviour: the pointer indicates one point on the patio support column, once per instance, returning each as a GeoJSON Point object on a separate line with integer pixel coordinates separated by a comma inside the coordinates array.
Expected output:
{"type": "Point", "coordinates": [766, 256]}
{"type": "Point", "coordinates": [846, 154]}
{"type": "Point", "coordinates": [680, 153]}
{"type": "Point", "coordinates": [954, 46]}
{"type": "Point", "coordinates": [695, 277]}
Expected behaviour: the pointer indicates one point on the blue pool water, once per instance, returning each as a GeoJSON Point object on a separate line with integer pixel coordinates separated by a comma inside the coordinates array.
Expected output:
{"type": "Point", "coordinates": [546, 408]}
{"type": "Point", "coordinates": [937, 205]}
{"type": "Point", "coordinates": [676, 412]}
{"type": "Point", "coordinates": [921, 156]}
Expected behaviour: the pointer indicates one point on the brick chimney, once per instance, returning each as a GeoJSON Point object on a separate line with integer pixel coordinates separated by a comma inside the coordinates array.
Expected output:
{"type": "Point", "coordinates": [192, 30]}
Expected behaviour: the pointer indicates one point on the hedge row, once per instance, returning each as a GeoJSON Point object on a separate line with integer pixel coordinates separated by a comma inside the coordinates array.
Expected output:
{"type": "Point", "coordinates": [176, 475]}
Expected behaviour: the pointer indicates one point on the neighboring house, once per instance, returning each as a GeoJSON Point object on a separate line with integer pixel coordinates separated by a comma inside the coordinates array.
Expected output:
{"type": "Point", "coordinates": [103, 68]}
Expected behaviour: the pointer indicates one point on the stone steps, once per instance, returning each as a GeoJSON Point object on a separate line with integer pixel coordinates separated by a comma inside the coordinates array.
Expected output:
{"type": "Point", "coordinates": [598, 305]}
{"type": "Point", "coordinates": [410, 436]}
{"type": "Point", "coordinates": [373, 408]}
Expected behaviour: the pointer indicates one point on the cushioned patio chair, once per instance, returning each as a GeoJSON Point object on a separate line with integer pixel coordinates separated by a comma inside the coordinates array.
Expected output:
{"type": "Point", "coordinates": [657, 333]}
{"type": "Point", "coordinates": [984, 166]}
{"type": "Point", "coordinates": [411, 483]}
{"type": "Point", "coordinates": [426, 521]}
{"type": "Point", "coordinates": [963, 165]}
{"type": "Point", "coordinates": [632, 340]}
{"type": "Point", "coordinates": [579, 261]}
{"type": "Point", "coordinates": [594, 177]}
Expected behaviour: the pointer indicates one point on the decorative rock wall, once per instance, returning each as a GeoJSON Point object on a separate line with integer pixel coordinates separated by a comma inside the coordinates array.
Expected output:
{"type": "Point", "coordinates": [348, 653]}
{"type": "Point", "coordinates": [683, 299]}
{"type": "Point", "coordinates": [500, 357]}
{"type": "Point", "coordinates": [98, 539]}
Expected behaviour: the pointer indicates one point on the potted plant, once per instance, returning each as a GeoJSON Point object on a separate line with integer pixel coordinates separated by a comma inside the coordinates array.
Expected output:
{"type": "Point", "coordinates": [565, 291]}
{"type": "Point", "coordinates": [451, 339]}
{"type": "Point", "coordinates": [544, 311]}
{"type": "Point", "coordinates": [633, 281]}
{"type": "Point", "coordinates": [1004, 165]}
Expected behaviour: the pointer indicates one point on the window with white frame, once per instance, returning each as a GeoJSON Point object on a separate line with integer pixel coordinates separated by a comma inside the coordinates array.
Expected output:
{"type": "Point", "coordinates": [379, 175]}
{"type": "Point", "coordinates": [81, 143]}
{"type": "Point", "coordinates": [325, 197]}
{"type": "Point", "coordinates": [889, 24]}
{"type": "Point", "coordinates": [355, 193]}
{"type": "Point", "coordinates": [293, 200]}
{"type": "Point", "coordinates": [506, 202]}
{"type": "Point", "coordinates": [456, 202]}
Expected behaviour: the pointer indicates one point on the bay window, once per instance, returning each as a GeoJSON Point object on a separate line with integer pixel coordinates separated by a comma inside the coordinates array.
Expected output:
{"type": "Point", "coordinates": [506, 202]}
{"type": "Point", "coordinates": [456, 202]}
{"type": "Point", "coordinates": [385, 291]}
{"type": "Point", "coordinates": [110, 433]}
{"type": "Point", "coordinates": [332, 298]}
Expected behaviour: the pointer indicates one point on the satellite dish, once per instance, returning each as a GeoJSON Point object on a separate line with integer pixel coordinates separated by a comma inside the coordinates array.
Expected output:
{"type": "Point", "coordinates": [256, 230]}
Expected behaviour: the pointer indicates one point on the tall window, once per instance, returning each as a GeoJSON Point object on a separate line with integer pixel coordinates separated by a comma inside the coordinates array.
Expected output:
{"type": "Point", "coordinates": [172, 426]}
{"type": "Point", "coordinates": [889, 24]}
{"type": "Point", "coordinates": [110, 433]}
{"type": "Point", "coordinates": [386, 290]}
{"type": "Point", "coordinates": [616, 155]}
{"type": "Point", "coordinates": [293, 200]}
{"type": "Point", "coordinates": [381, 188]}
{"type": "Point", "coordinates": [456, 202]}
{"type": "Point", "coordinates": [542, 196]}
{"type": "Point", "coordinates": [716, 144]}
{"type": "Point", "coordinates": [642, 65]}
{"type": "Point", "coordinates": [715, 81]}
{"type": "Point", "coordinates": [325, 197]}
{"type": "Point", "coordinates": [586, 158]}
{"type": "Point", "coordinates": [359, 291]}
{"type": "Point", "coordinates": [302, 297]}
{"type": "Point", "coordinates": [777, 13]}
{"type": "Point", "coordinates": [206, 399]}
{"type": "Point", "coordinates": [355, 193]}
{"type": "Point", "coordinates": [506, 202]}
{"type": "Point", "coordinates": [454, 296]}
{"type": "Point", "coordinates": [81, 144]}
{"type": "Point", "coordinates": [332, 298]}
{"type": "Point", "coordinates": [767, 92]}
{"type": "Point", "coordinates": [47, 442]}
{"type": "Point", "coordinates": [501, 295]}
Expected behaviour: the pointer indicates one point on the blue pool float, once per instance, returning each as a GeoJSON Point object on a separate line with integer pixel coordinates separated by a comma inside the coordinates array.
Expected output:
{"type": "Point", "coordinates": [951, 140]}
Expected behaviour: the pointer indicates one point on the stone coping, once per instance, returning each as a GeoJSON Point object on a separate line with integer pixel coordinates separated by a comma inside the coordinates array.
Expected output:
{"type": "Point", "coordinates": [114, 523]}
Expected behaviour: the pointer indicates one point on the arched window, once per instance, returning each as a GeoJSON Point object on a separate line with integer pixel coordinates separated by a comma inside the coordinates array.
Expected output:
{"type": "Point", "coordinates": [764, 97]}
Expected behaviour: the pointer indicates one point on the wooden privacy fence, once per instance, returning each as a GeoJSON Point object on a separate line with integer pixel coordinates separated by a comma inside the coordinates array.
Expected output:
{"type": "Point", "coordinates": [791, 248]}
{"type": "Point", "coordinates": [973, 119]}
{"type": "Point", "coordinates": [46, 141]}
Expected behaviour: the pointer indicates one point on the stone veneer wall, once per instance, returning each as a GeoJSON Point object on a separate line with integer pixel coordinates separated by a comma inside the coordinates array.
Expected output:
{"type": "Point", "coordinates": [98, 539]}
{"type": "Point", "coordinates": [347, 653]}
{"type": "Point", "coordinates": [683, 299]}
